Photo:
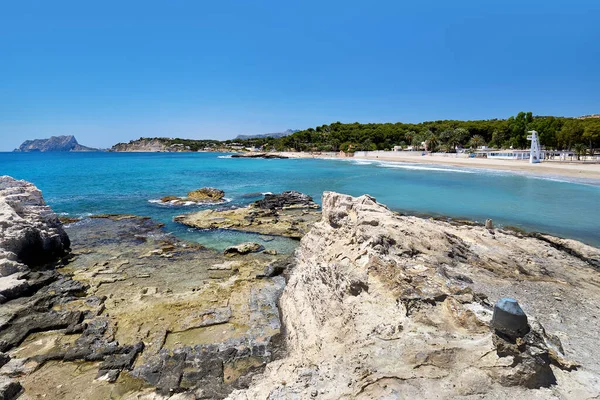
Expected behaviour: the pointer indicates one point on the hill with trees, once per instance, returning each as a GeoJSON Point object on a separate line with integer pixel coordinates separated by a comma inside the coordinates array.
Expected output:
{"type": "Point", "coordinates": [445, 135]}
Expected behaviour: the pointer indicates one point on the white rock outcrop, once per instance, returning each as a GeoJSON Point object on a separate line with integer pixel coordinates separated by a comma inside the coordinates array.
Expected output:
{"type": "Point", "coordinates": [30, 234]}
{"type": "Point", "coordinates": [29, 228]}
{"type": "Point", "coordinates": [380, 305]}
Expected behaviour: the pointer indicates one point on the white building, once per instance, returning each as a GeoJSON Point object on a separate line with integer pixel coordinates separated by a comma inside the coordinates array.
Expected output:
{"type": "Point", "coordinates": [509, 154]}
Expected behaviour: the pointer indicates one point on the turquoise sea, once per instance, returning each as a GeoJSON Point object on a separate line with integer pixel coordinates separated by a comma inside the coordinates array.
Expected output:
{"type": "Point", "coordinates": [82, 184]}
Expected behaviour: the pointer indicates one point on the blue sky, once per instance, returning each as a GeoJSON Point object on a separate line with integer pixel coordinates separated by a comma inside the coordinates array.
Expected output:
{"type": "Point", "coordinates": [113, 71]}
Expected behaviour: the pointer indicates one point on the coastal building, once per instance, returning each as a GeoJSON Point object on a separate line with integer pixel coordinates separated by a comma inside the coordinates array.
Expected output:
{"type": "Point", "coordinates": [509, 154]}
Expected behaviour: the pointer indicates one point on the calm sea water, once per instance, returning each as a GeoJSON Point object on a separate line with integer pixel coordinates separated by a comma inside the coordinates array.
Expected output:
{"type": "Point", "coordinates": [81, 184]}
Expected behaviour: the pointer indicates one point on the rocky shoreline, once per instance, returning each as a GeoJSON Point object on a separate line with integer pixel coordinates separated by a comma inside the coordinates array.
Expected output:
{"type": "Point", "coordinates": [371, 305]}
{"type": "Point", "coordinates": [289, 214]}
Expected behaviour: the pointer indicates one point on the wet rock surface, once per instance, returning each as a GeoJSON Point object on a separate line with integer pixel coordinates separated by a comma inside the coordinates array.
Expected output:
{"type": "Point", "coordinates": [376, 305]}
{"type": "Point", "coordinates": [136, 312]}
{"type": "Point", "coordinates": [289, 214]}
{"type": "Point", "coordinates": [379, 305]}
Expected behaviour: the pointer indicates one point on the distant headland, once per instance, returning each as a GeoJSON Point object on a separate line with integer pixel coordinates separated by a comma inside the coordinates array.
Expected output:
{"type": "Point", "coordinates": [53, 144]}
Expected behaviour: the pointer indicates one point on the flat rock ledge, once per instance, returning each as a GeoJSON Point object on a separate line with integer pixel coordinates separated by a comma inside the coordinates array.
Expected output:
{"type": "Point", "coordinates": [379, 305]}
{"type": "Point", "coordinates": [289, 214]}
{"type": "Point", "coordinates": [132, 313]}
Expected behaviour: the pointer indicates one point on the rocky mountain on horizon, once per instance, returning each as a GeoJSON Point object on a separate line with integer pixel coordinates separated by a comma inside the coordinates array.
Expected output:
{"type": "Point", "coordinates": [54, 143]}
{"type": "Point", "coordinates": [275, 135]}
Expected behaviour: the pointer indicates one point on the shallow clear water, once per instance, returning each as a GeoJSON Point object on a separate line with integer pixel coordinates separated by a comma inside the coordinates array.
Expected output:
{"type": "Point", "coordinates": [80, 184]}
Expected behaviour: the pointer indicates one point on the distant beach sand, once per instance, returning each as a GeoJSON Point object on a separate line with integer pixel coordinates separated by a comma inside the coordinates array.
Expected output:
{"type": "Point", "coordinates": [549, 168]}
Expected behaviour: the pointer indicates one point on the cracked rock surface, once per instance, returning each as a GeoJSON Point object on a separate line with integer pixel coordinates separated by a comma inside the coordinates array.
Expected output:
{"type": "Point", "coordinates": [133, 312]}
{"type": "Point", "coordinates": [380, 305]}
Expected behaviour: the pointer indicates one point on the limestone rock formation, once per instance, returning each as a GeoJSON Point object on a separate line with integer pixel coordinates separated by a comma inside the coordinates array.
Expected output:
{"type": "Point", "coordinates": [206, 194]}
{"type": "Point", "coordinates": [136, 313]}
{"type": "Point", "coordinates": [54, 143]}
{"type": "Point", "coordinates": [379, 305]}
{"type": "Point", "coordinates": [30, 235]}
{"type": "Point", "coordinates": [288, 214]}
{"type": "Point", "coordinates": [149, 145]}
{"type": "Point", "coordinates": [243, 248]}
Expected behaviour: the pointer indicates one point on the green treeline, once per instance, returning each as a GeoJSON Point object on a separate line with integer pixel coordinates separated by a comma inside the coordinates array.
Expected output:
{"type": "Point", "coordinates": [555, 133]}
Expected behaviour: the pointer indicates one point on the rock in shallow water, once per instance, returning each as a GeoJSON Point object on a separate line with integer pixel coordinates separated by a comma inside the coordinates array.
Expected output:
{"type": "Point", "coordinates": [242, 249]}
{"type": "Point", "coordinates": [289, 199]}
{"type": "Point", "coordinates": [200, 196]}
{"type": "Point", "coordinates": [289, 214]}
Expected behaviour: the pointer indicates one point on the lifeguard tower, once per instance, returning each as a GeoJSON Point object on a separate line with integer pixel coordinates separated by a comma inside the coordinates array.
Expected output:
{"type": "Point", "coordinates": [535, 153]}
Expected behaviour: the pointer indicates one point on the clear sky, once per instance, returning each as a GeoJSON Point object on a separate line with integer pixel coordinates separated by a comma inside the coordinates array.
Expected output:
{"type": "Point", "coordinates": [110, 71]}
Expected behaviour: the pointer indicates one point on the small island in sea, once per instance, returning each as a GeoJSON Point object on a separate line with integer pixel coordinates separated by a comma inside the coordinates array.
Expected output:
{"type": "Point", "coordinates": [53, 144]}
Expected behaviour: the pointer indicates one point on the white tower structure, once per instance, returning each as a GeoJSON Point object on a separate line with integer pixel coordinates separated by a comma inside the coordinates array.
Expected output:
{"type": "Point", "coordinates": [535, 154]}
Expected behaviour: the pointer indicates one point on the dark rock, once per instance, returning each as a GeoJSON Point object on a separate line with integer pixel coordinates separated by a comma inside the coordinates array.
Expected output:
{"type": "Point", "coordinates": [531, 365]}
{"type": "Point", "coordinates": [509, 318]}
{"type": "Point", "coordinates": [9, 389]}
{"type": "Point", "coordinates": [163, 371]}
{"type": "Point", "coordinates": [4, 358]}
{"type": "Point", "coordinates": [357, 288]}
{"type": "Point", "coordinates": [32, 322]}
{"type": "Point", "coordinates": [286, 199]}
{"type": "Point", "coordinates": [123, 360]}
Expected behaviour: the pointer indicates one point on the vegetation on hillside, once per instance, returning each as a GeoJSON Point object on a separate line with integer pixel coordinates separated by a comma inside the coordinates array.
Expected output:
{"type": "Point", "coordinates": [580, 135]}
{"type": "Point", "coordinates": [448, 135]}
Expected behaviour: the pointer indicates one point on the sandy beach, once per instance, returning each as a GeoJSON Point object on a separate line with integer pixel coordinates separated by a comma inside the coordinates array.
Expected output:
{"type": "Point", "coordinates": [548, 168]}
{"type": "Point", "coordinates": [572, 170]}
